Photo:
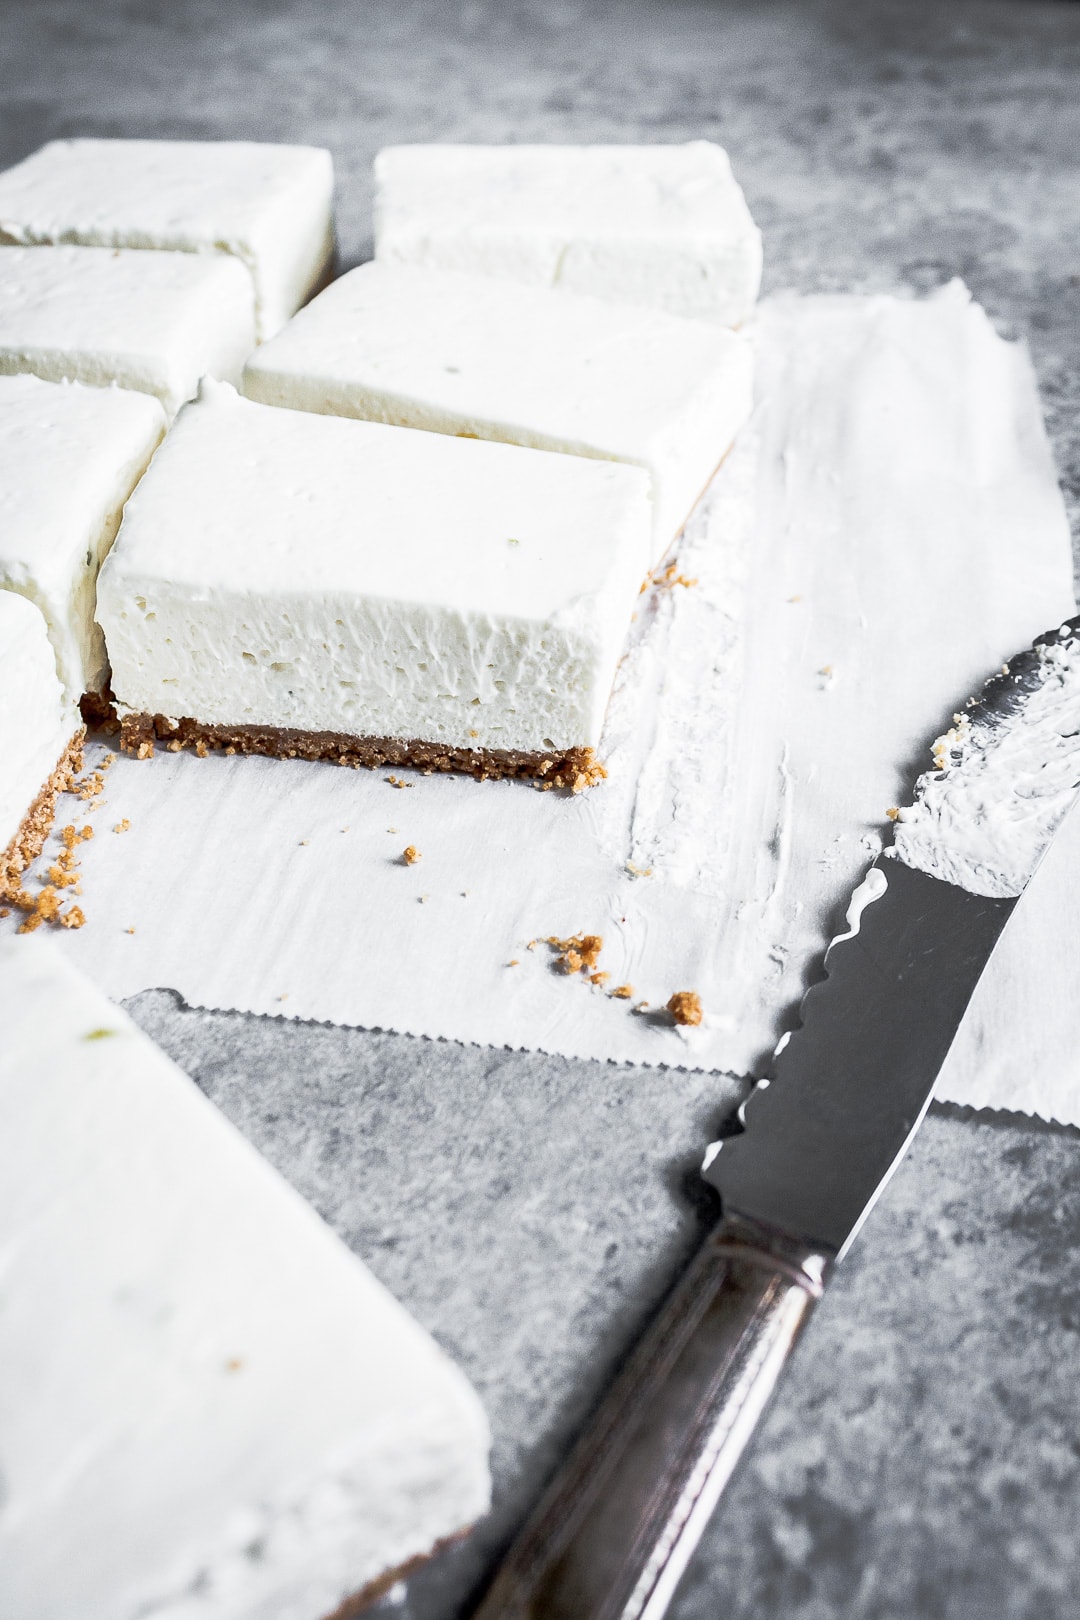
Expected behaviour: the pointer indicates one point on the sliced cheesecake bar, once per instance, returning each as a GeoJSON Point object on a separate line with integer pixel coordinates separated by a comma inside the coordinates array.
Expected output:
{"type": "Point", "coordinates": [663, 225]}
{"type": "Point", "coordinates": [153, 322]}
{"type": "Point", "coordinates": [490, 359]}
{"type": "Point", "coordinates": [303, 585]}
{"type": "Point", "coordinates": [209, 1405]}
{"type": "Point", "coordinates": [41, 738]}
{"type": "Point", "coordinates": [69, 458]}
{"type": "Point", "coordinates": [269, 206]}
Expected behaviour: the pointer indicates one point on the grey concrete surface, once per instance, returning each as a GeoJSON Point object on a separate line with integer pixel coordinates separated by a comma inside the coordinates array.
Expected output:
{"type": "Point", "coordinates": [924, 1460]}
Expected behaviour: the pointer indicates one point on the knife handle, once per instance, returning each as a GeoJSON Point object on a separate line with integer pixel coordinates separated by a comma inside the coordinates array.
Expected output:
{"type": "Point", "coordinates": [617, 1526]}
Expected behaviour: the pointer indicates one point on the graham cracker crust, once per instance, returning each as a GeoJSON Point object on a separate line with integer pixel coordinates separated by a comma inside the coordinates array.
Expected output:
{"type": "Point", "coordinates": [379, 1587]}
{"type": "Point", "coordinates": [574, 768]}
{"type": "Point", "coordinates": [29, 841]}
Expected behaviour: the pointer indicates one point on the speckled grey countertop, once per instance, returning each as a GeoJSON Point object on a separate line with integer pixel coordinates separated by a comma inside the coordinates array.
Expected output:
{"type": "Point", "coordinates": [924, 1460]}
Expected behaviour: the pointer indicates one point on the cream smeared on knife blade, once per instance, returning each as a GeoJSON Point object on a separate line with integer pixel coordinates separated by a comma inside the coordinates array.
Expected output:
{"type": "Point", "coordinates": [1006, 773]}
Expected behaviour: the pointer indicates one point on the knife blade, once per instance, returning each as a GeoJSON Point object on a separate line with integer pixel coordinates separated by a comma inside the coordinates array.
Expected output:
{"type": "Point", "coordinates": [814, 1145]}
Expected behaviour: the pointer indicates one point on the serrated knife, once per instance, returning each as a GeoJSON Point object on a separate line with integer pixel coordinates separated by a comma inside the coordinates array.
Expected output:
{"type": "Point", "coordinates": [820, 1138]}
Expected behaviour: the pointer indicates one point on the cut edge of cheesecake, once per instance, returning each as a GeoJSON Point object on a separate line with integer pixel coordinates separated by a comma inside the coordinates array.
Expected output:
{"type": "Point", "coordinates": [29, 839]}
{"type": "Point", "coordinates": [574, 768]}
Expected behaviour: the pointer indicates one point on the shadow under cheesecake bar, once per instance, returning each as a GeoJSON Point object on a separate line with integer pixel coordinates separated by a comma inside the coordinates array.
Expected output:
{"type": "Point", "coordinates": [312, 587]}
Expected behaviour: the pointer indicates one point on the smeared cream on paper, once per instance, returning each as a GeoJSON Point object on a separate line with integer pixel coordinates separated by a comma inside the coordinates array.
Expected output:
{"type": "Point", "coordinates": [888, 531]}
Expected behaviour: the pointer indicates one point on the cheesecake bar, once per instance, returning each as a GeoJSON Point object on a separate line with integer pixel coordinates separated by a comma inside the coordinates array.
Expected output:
{"type": "Point", "coordinates": [209, 1405]}
{"type": "Point", "coordinates": [69, 458]}
{"type": "Point", "coordinates": [153, 322]}
{"type": "Point", "coordinates": [663, 225]}
{"type": "Point", "coordinates": [271, 207]}
{"type": "Point", "coordinates": [41, 738]}
{"type": "Point", "coordinates": [303, 585]}
{"type": "Point", "coordinates": [456, 353]}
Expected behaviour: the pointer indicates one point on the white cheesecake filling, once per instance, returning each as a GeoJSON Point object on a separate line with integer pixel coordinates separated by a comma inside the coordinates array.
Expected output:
{"type": "Point", "coordinates": [69, 458]}
{"type": "Point", "coordinates": [152, 322]}
{"type": "Point", "coordinates": [210, 1409]}
{"type": "Point", "coordinates": [276, 568]}
{"type": "Point", "coordinates": [269, 206]}
{"type": "Point", "coordinates": [663, 225]}
{"type": "Point", "coordinates": [460, 354]}
{"type": "Point", "coordinates": [36, 722]}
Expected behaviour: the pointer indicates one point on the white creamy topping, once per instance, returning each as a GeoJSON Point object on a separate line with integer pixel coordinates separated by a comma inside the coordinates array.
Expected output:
{"type": "Point", "coordinates": [1007, 774]}
{"type": "Point", "coordinates": [283, 569]}
{"type": "Point", "coordinates": [493, 360]}
{"type": "Point", "coordinates": [69, 458]}
{"type": "Point", "coordinates": [154, 322]}
{"type": "Point", "coordinates": [210, 1409]}
{"type": "Point", "coordinates": [36, 724]}
{"type": "Point", "coordinates": [663, 225]}
{"type": "Point", "coordinates": [270, 206]}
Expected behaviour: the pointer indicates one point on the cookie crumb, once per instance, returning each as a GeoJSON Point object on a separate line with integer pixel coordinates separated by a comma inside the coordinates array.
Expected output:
{"type": "Point", "coordinates": [122, 826]}
{"type": "Point", "coordinates": [577, 952]}
{"type": "Point", "coordinates": [410, 855]}
{"type": "Point", "coordinates": [623, 992]}
{"type": "Point", "coordinates": [685, 1007]}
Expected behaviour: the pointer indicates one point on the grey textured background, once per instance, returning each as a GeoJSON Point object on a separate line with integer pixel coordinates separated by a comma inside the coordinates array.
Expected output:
{"type": "Point", "coordinates": [924, 1460]}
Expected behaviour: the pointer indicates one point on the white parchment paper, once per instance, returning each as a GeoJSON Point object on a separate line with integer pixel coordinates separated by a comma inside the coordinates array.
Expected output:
{"type": "Point", "coordinates": [885, 534]}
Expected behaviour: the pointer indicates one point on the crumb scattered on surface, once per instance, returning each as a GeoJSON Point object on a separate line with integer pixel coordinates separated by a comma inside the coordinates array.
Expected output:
{"type": "Point", "coordinates": [129, 930]}
{"type": "Point", "coordinates": [410, 855]}
{"type": "Point", "coordinates": [796, 598]}
{"type": "Point", "coordinates": [670, 577]}
{"type": "Point", "coordinates": [623, 991]}
{"type": "Point", "coordinates": [600, 977]}
{"type": "Point", "coordinates": [893, 812]}
{"type": "Point", "coordinates": [398, 782]}
{"type": "Point", "coordinates": [685, 1007]}
{"type": "Point", "coordinates": [577, 952]}
{"type": "Point", "coordinates": [304, 842]}
{"type": "Point", "coordinates": [513, 962]}
{"type": "Point", "coordinates": [122, 826]}
{"type": "Point", "coordinates": [638, 871]}
{"type": "Point", "coordinates": [73, 918]}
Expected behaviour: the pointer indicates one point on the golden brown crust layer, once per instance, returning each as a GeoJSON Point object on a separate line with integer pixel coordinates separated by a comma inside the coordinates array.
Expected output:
{"type": "Point", "coordinates": [29, 841]}
{"type": "Point", "coordinates": [378, 1588]}
{"type": "Point", "coordinates": [97, 708]}
{"type": "Point", "coordinates": [576, 768]}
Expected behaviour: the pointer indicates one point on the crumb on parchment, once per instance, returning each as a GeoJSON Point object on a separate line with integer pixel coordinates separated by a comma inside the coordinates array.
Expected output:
{"type": "Point", "coordinates": [577, 952]}
{"type": "Point", "coordinates": [685, 1007]}
{"type": "Point", "coordinates": [623, 992]}
{"type": "Point", "coordinates": [410, 855]}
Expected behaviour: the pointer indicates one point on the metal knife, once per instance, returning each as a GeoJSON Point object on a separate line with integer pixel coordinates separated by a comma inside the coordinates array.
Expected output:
{"type": "Point", "coordinates": [820, 1138]}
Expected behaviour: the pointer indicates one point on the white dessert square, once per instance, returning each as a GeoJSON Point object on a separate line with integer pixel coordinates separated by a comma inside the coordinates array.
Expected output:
{"type": "Point", "coordinates": [456, 603]}
{"type": "Point", "coordinates": [153, 322]}
{"type": "Point", "coordinates": [663, 225]}
{"type": "Point", "coordinates": [208, 1405]}
{"type": "Point", "coordinates": [461, 354]}
{"type": "Point", "coordinates": [69, 458]}
{"type": "Point", "coordinates": [40, 741]}
{"type": "Point", "coordinates": [269, 206]}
